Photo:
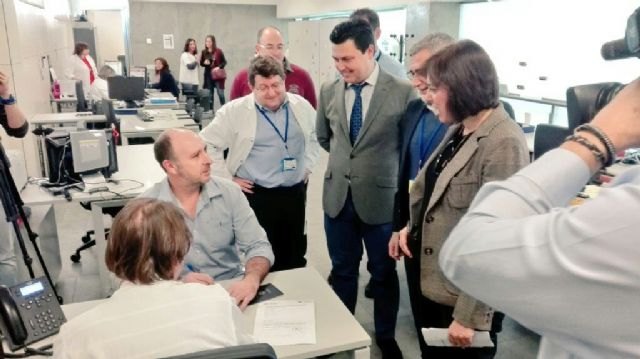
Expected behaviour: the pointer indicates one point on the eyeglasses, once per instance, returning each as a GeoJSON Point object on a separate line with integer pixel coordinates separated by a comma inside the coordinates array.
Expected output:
{"type": "Point", "coordinates": [271, 47]}
{"type": "Point", "coordinates": [275, 86]}
{"type": "Point", "coordinates": [411, 74]}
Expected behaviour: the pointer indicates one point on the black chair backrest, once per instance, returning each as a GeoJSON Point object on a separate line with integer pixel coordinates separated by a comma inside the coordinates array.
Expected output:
{"type": "Point", "coordinates": [548, 137]}
{"type": "Point", "coordinates": [509, 109]}
{"type": "Point", "coordinates": [81, 105]}
{"type": "Point", "coordinates": [248, 351]}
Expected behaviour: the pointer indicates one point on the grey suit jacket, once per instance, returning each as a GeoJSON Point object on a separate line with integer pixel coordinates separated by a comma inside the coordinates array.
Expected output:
{"type": "Point", "coordinates": [370, 166]}
{"type": "Point", "coordinates": [495, 151]}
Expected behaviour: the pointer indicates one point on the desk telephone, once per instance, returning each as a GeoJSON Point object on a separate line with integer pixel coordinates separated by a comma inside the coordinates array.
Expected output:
{"type": "Point", "coordinates": [29, 312]}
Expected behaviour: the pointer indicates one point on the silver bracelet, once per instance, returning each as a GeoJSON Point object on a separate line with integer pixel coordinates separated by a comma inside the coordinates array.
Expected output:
{"type": "Point", "coordinates": [590, 146]}
{"type": "Point", "coordinates": [606, 141]}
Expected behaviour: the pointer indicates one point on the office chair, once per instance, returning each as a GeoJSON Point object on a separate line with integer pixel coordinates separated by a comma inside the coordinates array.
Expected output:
{"type": "Point", "coordinates": [548, 137]}
{"type": "Point", "coordinates": [81, 101]}
{"type": "Point", "coordinates": [509, 109]}
{"type": "Point", "coordinates": [248, 351]}
{"type": "Point", "coordinates": [87, 240]}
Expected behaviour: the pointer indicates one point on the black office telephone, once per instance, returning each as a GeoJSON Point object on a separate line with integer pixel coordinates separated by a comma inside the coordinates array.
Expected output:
{"type": "Point", "coordinates": [29, 312]}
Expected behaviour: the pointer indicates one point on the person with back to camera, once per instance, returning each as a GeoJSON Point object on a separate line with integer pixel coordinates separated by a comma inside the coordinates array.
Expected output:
{"type": "Point", "coordinates": [82, 67]}
{"type": "Point", "coordinates": [572, 271]}
{"type": "Point", "coordinates": [189, 66]}
{"type": "Point", "coordinates": [213, 61]}
{"type": "Point", "coordinates": [100, 87]}
{"type": "Point", "coordinates": [15, 124]}
{"type": "Point", "coordinates": [482, 145]}
{"type": "Point", "coordinates": [165, 82]}
{"type": "Point", "coordinates": [152, 314]}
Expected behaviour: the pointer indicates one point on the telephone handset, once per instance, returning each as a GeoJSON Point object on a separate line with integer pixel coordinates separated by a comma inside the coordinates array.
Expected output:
{"type": "Point", "coordinates": [29, 312]}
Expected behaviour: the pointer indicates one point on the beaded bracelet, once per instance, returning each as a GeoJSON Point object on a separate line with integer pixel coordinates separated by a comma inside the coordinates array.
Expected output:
{"type": "Point", "coordinates": [590, 146]}
{"type": "Point", "coordinates": [606, 141]}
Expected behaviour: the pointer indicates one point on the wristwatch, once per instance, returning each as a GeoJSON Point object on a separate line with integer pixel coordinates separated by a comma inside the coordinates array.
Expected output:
{"type": "Point", "coordinates": [7, 101]}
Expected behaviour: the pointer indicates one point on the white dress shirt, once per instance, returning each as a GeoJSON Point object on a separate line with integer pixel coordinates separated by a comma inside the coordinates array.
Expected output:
{"type": "Point", "coordinates": [571, 274]}
{"type": "Point", "coordinates": [366, 94]}
{"type": "Point", "coordinates": [151, 321]}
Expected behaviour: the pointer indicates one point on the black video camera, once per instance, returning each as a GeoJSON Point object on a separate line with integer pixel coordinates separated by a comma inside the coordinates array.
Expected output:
{"type": "Point", "coordinates": [584, 101]}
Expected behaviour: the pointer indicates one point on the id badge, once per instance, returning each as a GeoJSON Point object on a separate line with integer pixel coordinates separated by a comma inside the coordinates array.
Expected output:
{"type": "Point", "coordinates": [411, 182]}
{"type": "Point", "coordinates": [289, 164]}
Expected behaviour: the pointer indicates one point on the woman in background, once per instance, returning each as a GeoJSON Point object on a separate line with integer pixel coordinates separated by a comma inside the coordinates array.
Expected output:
{"type": "Point", "coordinates": [152, 314]}
{"type": "Point", "coordinates": [164, 79]}
{"type": "Point", "coordinates": [189, 67]}
{"type": "Point", "coordinates": [213, 61]}
{"type": "Point", "coordinates": [482, 145]}
{"type": "Point", "coordinates": [82, 67]}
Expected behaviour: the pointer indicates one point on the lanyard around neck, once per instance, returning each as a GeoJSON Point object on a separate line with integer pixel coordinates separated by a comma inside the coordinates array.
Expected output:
{"type": "Point", "coordinates": [286, 126]}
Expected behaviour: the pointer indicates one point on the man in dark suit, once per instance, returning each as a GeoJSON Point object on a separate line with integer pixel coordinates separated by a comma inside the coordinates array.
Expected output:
{"type": "Point", "coordinates": [421, 132]}
{"type": "Point", "coordinates": [358, 123]}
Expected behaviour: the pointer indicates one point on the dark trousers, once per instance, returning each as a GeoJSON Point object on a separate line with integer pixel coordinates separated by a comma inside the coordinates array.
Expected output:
{"type": "Point", "coordinates": [345, 236]}
{"type": "Point", "coordinates": [214, 85]}
{"type": "Point", "coordinates": [281, 212]}
{"type": "Point", "coordinates": [429, 314]}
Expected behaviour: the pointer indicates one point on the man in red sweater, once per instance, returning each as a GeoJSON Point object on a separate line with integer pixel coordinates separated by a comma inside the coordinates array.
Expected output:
{"type": "Point", "coordinates": [297, 81]}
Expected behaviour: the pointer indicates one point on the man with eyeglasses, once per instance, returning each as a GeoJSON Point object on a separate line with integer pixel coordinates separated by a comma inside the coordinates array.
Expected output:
{"type": "Point", "coordinates": [297, 80]}
{"type": "Point", "coordinates": [271, 138]}
{"type": "Point", "coordinates": [420, 134]}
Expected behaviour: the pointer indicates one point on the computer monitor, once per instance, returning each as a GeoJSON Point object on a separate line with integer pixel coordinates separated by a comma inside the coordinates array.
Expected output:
{"type": "Point", "coordinates": [67, 161]}
{"type": "Point", "coordinates": [128, 89]}
{"type": "Point", "coordinates": [139, 71]}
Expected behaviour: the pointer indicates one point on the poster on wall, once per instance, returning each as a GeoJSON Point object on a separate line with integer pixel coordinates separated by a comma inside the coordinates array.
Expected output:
{"type": "Point", "coordinates": [167, 41]}
{"type": "Point", "coordinates": [38, 3]}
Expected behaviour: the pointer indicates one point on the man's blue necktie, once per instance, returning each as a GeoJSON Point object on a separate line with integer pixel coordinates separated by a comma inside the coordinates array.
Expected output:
{"type": "Point", "coordinates": [355, 123]}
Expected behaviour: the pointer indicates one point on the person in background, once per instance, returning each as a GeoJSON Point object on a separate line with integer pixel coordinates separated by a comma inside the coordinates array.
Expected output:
{"type": "Point", "coordinates": [572, 270]}
{"type": "Point", "coordinates": [228, 240]}
{"type": "Point", "coordinates": [273, 147]}
{"type": "Point", "coordinates": [152, 314]}
{"type": "Point", "coordinates": [420, 132]}
{"type": "Point", "coordinates": [482, 145]}
{"type": "Point", "coordinates": [82, 67]}
{"type": "Point", "coordinates": [164, 79]}
{"type": "Point", "coordinates": [189, 66]}
{"type": "Point", "coordinates": [213, 61]}
{"type": "Point", "coordinates": [387, 63]}
{"type": "Point", "coordinates": [358, 123]}
{"type": "Point", "coordinates": [100, 88]}
{"type": "Point", "coordinates": [15, 124]}
{"type": "Point", "coordinates": [297, 81]}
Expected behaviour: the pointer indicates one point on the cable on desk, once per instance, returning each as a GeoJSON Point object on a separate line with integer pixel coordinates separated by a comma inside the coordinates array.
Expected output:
{"type": "Point", "coordinates": [28, 352]}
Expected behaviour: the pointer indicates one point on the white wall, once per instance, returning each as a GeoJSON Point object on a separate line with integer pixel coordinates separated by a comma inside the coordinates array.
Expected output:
{"type": "Point", "coordinates": [108, 33]}
{"type": "Point", "coordinates": [298, 8]}
{"type": "Point", "coordinates": [32, 35]}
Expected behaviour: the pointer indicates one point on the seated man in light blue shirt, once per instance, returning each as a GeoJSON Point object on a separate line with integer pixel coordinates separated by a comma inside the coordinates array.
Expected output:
{"type": "Point", "coordinates": [218, 215]}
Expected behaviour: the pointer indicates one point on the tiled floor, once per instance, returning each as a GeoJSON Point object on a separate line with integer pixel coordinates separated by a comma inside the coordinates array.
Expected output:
{"type": "Point", "coordinates": [79, 282]}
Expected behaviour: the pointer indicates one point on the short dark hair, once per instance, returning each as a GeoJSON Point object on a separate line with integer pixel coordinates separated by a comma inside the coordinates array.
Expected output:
{"type": "Point", "coordinates": [469, 76]}
{"type": "Point", "coordinates": [264, 66]}
{"type": "Point", "coordinates": [147, 240]}
{"type": "Point", "coordinates": [368, 15]}
{"type": "Point", "coordinates": [80, 46]}
{"type": "Point", "coordinates": [165, 64]}
{"type": "Point", "coordinates": [162, 149]}
{"type": "Point", "coordinates": [186, 46]}
{"type": "Point", "coordinates": [357, 30]}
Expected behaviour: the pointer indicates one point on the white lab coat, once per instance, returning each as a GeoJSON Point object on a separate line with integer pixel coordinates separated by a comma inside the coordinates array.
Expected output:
{"type": "Point", "coordinates": [77, 70]}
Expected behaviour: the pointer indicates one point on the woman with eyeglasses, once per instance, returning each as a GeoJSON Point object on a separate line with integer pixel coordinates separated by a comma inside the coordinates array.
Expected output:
{"type": "Point", "coordinates": [482, 144]}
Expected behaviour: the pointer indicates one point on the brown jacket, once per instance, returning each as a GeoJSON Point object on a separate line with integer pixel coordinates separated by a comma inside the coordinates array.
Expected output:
{"type": "Point", "coordinates": [495, 151]}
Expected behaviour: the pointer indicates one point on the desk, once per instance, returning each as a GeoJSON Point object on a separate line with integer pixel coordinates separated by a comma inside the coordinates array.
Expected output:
{"type": "Point", "coordinates": [336, 329]}
{"type": "Point", "coordinates": [137, 172]}
{"type": "Point", "coordinates": [134, 127]}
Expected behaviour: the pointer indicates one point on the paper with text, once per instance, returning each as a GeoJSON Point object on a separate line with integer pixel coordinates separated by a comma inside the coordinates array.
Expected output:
{"type": "Point", "coordinates": [439, 337]}
{"type": "Point", "coordinates": [285, 322]}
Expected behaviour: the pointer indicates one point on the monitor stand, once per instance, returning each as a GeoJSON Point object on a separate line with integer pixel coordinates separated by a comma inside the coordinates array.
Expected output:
{"type": "Point", "coordinates": [94, 182]}
{"type": "Point", "coordinates": [131, 104]}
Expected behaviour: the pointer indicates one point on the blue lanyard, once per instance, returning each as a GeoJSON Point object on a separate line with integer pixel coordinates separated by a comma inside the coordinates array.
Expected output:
{"type": "Point", "coordinates": [423, 148]}
{"type": "Point", "coordinates": [286, 126]}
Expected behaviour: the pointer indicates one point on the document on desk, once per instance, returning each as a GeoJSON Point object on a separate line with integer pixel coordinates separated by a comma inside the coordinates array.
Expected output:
{"type": "Point", "coordinates": [439, 337]}
{"type": "Point", "coordinates": [285, 322]}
